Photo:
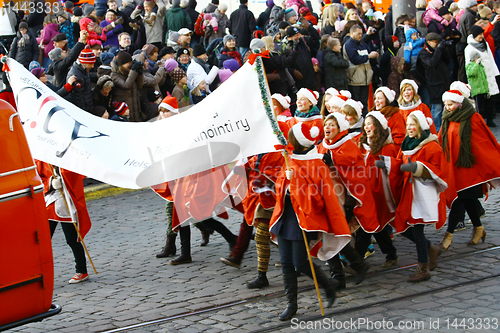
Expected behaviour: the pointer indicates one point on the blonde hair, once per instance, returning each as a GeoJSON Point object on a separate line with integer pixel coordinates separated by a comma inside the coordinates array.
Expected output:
{"type": "Point", "coordinates": [401, 100]}
{"type": "Point", "coordinates": [196, 91]}
{"type": "Point", "coordinates": [349, 111]}
{"type": "Point", "coordinates": [349, 13]}
{"type": "Point", "coordinates": [415, 119]}
{"type": "Point", "coordinates": [331, 14]}
{"type": "Point", "coordinates": [268, 42]}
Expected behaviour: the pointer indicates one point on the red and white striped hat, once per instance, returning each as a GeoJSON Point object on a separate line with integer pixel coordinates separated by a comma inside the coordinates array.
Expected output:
{"type": "Point", "coordinates": [87, 56]}
{"type": "Point", "coordinates": [120, 108]}
{"type": "Point", "coordinates": [453, 95]}
{"type": "Point", "coordinates": [305, 134]}
{"type": "Point", "coordinates": [312, 96]}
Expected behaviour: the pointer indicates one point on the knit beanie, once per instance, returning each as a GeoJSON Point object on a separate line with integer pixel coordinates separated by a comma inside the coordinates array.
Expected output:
{"type": "Point", "coordinates": [55, 54]}
{"type": "Point", "coordinates": [77, 12]}
{"type": "Point", "coordinates": [120, 108]}
{"type": "Point", "coordinates": [170, 65]}
{"type": "Point", "coordinates": [34, 64]}
{"type": "Point", "coordinates": [87, 56]}
{"type": "Point", "coordinates": [123, 58]}
{"type": "Point", "coordinates": [68, 4]}
{"type": "Point", "coordinates": [114, 50]}
{"type": "Point", "coordinates": [38, 72]}
{"type": "Point", "coordinates": [476, 31]}
{"type": "Point", "coordinates": [164, 51]}
{"type": "Point", "coordinates": [198, 50]}
{"type": "Point", "coordinates": [231, 64]}
{"type": "Point", "coordinates": [484, 11]}
{"type": "Point", "coordinates": [177, 74]}
{"type": "Point", "coordinates": [257, 43]}
{"type": "Point", "coordinates": [150, 48]}
{"type": "Point", "coordinates": [289, 13]}
{"type": "Point", "coordinates": [106, 58]}
{"type": "Point", "coordinates": [227, 38]}
{"type": "Point", "coordinates": [23, 25]}
{"type": "Point", "coordinates": [88, 9]}
{"type": "Point", "coordinates": [224, 74]}
{"type": "Point", "coordinates": [182, 51]}
{"type": "Point", "coordinates": [222, 7]}
{"type": "Point", "coordinates": [443, 11]}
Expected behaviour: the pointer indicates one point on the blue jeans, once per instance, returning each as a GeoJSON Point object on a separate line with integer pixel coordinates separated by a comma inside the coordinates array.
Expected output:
{"type": "Point", "coordinates": [242, 51]}
{"type": "Point", "coordinates": [293, 255]}
{"type": "Point", "coordinates": [437, 115]}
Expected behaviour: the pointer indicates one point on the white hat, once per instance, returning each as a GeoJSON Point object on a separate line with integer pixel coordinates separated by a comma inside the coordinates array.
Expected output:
{"type": "Point", "coordinates": [337, 101]}
{"type": "Point", "coordinates": [464, 88]}
{"type": "Point", "coordinates": [463, 4]}
{"type": "Point", "coordinates": [388, 92]}
{"type": "Point", "coordinates": [305, 134]}
{"type": "Point", "coordinates": [312, 96]}
{"type": "Point", "coordinates": [184, 31]}
{"type": "Point", "coordinates": [332, 91]}
{"type": "Point", "coordinates": [423, 121]}
{"type": "Point", "coordinates": [379, 116]}
{"type": "Point", "coordinates": [346, 93]}
{"type": "Point", "coordinates": [358, 106]}
{"type": "Point", "coordinates": [283, 100]}
{"type": "Point", "coordinates": [411, 82]}
{"type": "Point", "coordinates": [378, 16]}
{"type": "Point", "coordinates": [341, 121]}
{"type": "Point", "coordinates": [453, 95]}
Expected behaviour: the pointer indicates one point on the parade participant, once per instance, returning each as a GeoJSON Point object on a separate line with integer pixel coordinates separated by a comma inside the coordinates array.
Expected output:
{"type": "Point", "coordinates": [384, 99]}
{"type": "Point", "coordinates": [352, 111]}
{"type": "Point", "coordinates": [305, 200]}
{"type": "Point", "coordinates": [335, 103]}
{"type": "Point", "coordinates": [329, 93]}
{"type": "Point", "coordinates": [379, 150]}
{"type": "Point", "coordinates": [422, 199]}
{"type": "Point", "coordinates": [281, 105]}
{"type": "Point", "coordinates": [54, 180]}
{"type": "Point", "coordinates": [352, 186]}
{"type": "Point", "coordinates": [307, 112]}
{"type": "Point", "coordinates": [472, 153]}
{"type": "Point", "coordinates": [410, 101]}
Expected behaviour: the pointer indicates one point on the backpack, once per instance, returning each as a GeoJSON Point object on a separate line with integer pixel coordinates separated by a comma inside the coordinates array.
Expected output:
{"type": "Point", "coordinates": [198, 25]}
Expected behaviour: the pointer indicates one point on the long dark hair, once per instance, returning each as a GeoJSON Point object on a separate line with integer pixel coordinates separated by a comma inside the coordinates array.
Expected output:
{"type": "Point", "coordinates": [380, 135]}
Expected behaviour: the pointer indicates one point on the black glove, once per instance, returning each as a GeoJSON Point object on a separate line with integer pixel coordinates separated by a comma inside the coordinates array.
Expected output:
{"type": "Point", "coordinates": [328, 159]}
{"type": "Point", "coordinates": [137, 66]}
{"type": "Point", "coordinates": [381, 165]}
{"type": "Point", "coordinates": [409, 167]}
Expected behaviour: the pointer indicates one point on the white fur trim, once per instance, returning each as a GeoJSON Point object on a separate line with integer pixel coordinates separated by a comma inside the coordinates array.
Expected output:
{"type": "Point", "coordinates": [299, 135]}
{"type": "Point", "coordinates": [332, 91]}
{"type": "Point", "coordinates": [450, 96]}
{"type": "Point", "coordinates": [346, 93]}
{"type": "Point", "coordinates": [379, 116]}
{"type": "Point", "coordinates": [464, 88]}
{"type": "Point", "coordinates": [358, 106]}
{"type": "Point", "coordinates": [341, 121]}
{"type": "Point", "coordinates": [314, 132]}
{"type": "Point", "coordinates": [312, 96]}
{"type": "Point", "coordinates": [389, 93]}
{"type": "Point", "coordinates": [169, 107]}
{"type": "Point", "coordinates": [336, 101]}
{"type": "Point", "coordinates": [412, 82]}
{"type": "Point", "coordinates": [283, 100]}
{"type": "Point", "coordinates": [422, 120]}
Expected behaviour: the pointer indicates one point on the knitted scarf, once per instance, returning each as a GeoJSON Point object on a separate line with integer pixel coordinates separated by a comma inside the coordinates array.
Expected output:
{"type": "Point", "coordinates": [313, 112]}
{"type": "Point", "coordinates": [412, 143]}
{"type": "Point", "coordinates": [389, 110]}
{"type": "Point", "coordinates": [465, 157]}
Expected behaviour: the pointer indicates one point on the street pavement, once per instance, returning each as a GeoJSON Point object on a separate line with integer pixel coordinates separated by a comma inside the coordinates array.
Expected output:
{"type": "Point", "coordinates": [133, 287]}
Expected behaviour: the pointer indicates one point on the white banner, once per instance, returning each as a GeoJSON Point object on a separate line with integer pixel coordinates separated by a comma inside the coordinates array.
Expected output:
{"type": "Point", "coordinates": [229, 124]}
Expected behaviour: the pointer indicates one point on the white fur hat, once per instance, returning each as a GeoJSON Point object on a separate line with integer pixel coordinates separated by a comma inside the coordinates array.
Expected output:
{"type": "Point", "coordinates": [358, 106]}
{"type": "Point", "coordinates": [309, 94]}
{"type": "Point", "coordinates": [346, 93]}
{"type": "Point", "coordinates": [453, 95]}
{"type": "Point", "coordinates": [332, 91]}
{"type": "Point", "coordinates": [379, 116]}
{"type": "Point", "coordinates": [337, 101]}
{"type": "Point", "coordinates": [464, 88]}
{"type": "Point", "coordinates": [411, 82]}
{"type": "Point", "coordinates": [305, 134]}
{"type": "Point", "coordinates": [343, 123]}
{"type": "Point", "coordinates": [388, 92]}
{"type": "Point", "coordinates": [463, 4]}
{"type": "Point", "coordinates": [423, 121]}
{"type": "Point", "coordinates": [283, 100]}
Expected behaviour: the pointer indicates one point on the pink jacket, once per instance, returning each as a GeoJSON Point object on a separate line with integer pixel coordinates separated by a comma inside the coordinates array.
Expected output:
{"type": "Point", "coordinates": [432, 14]}
{"type": "Point", "coordinates": [48, 32]}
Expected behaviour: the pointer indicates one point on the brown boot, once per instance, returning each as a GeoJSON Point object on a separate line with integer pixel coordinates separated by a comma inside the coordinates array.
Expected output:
{"type": "Point", "coordinates": [434, 252]}
{"type": "Point", "coordinates": [446, 242]}
{"type": "Point", "coordinates": [422, 273]}
{"type": "Point", "coordinates": [169, 249]}
{"type": "Point", "coordinates": [477, 234]}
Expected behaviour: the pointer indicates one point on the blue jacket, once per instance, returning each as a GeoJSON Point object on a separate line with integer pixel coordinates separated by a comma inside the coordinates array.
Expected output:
{"type": "Point", "coordinates": [412, 47]}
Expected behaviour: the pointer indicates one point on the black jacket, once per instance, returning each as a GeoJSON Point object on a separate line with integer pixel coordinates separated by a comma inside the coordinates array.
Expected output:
{"type": "Point", "coordinates": [81, 95]}
{"type": "Point", "coordinates": [59, 68]}
{"type": "Point", "coordinates": [335, 70]}
{"type": "Point", "coordinates": [241, 25]}
{"type": "Point", "coordinates": [27, 53]}
{"type": "Point", "coordinates": [275, 65]}
{"type": "Point", "coordinates": [433, 64]}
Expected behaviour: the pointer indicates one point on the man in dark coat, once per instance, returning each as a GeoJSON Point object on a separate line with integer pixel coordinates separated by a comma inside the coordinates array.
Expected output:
{"type": "Point", "coordinates": [62, 60]}
{"type": "Point", "coordinates": [193, 16]}
{"type": "Point", "coordinates": [24, 48]}
{"type": "Point", "coordinates": [241, 25]}
{"type": "Point", "coordinates": [335, 66]}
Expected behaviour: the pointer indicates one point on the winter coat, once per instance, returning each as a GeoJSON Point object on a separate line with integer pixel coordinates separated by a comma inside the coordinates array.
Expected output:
{"type": "Point", "coordinates": [264, 18]}
{"type": "Point", "coordinates": [385, 60]}
{"type": "Point", "coordinates": [100, 100]}
{"type": "Point", "coordinates": [127, 12]}
{"type": "Point", "coordinates": [59, 68]}
{"type": "Point", "coordinates": [395, 78]}
{"type": "Point", "coordinates": [488, 62]}
{"type": "Point", "coordinates": [127, 89]}
{"type": "Point", "coordinates": [278, 64]}
{"type": "Point", "coordinates": [81, 95]}
{"type": "Point", "coordinates": [434, 66]}
{"type": "Point", "coordinates": [360, 71]}
{"type": "Point", "coordinates": [35, 18]}
{"type": "Point", "coordinates": [153, 32]}
{"type": "Point", "coordinates": [412, 47]}
{"type": "Point", "coordinates": [175, 19]}
{"type": "Point", "coordinates": [327, 29]}
{"type": "Point", "coordinates": [421, 27]}
{"type": "Point", "coordinates": [67, 28]}
{"type": "Point", "coordinates": [335, 70]}
{"type": "Point", "coordinates": [467, 20]}
{"type": "Point", "coordinates": [226, 54]}
{"type": "Point", "coordinates": [24, 49]}
{"type": "Point", "coordinates": [49, 32]}
{"type": "Point", "coordinates": [221, 32]}
{"type": "Point", "coordinates": [179, 94]}
{"type": "Point", "coordinates": [432, 14]}
{"type": "Point", "coordinates": [241, 25]}
{"type": "Point", "coordinates": [112, 36]}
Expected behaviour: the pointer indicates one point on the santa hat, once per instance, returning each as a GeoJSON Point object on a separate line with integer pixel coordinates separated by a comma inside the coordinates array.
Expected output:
{"type": "Point", "coordinates": [306, 135]}
{"type": "Point", "coordinates": [358, 106]}
{"type": "Point", "coordinates": [120, 108]}
{"type": "Point", "coordinates": [87, 56]}
{"type": "Point", "coordinates": [410, 82]}
{"type": "Point", "coordinates": [283, 100]}
{"type": "Point", "coordinates": [312, 96]}
{"type": "Point", "coordinates": [346, 93]}
{"type": "Point", "coordinates": [388, 93]}
{"type": "Point", "coordinates": [332, 91]}
{"type": "Point", "coordinates": [170, 103]}
{"type": "Point", "coordinates": [464, 88]}
{"type": "Point", "coordinates": [380, 118]}
{"type": "Point", "coordinates": [453, 95]}
{"type": "Point", "coordinates": [423, 121]}
{"type": "Point", "coordinates": [341, 121]}
{"type": "Point", "coordinates": [337, 101]}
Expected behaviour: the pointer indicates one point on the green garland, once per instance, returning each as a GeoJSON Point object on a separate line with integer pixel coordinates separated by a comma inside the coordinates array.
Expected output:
{"type": "Point", "coordinates": [266, 98]}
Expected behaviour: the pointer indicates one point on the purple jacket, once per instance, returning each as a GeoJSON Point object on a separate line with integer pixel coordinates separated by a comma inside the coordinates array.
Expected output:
{"type": "Point", "coordinates": [48, 32]}
{"type": "Point", "coordinates": [112, 36]}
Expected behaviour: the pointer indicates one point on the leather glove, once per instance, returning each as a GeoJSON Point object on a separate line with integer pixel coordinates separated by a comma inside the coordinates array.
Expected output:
{"type": "Point", "coordinates": [289, 174]}
{"type": "Point", "coordinates": [381, 165]}
{"type": "Point", "coordinates": [328, 159]}
{"type": "Point", "coordinates": [56, 183]}
{"type": "Point", "coordinates": [409, 167]}
{"type": "Point", "coordinates": [119, 20]}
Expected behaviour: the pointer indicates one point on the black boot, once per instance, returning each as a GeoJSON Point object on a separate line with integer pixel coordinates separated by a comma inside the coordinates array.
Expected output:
{"type": "Point", "coordinates": [357, 263]}
{"type": "Point", "coordinates": [290, 282]}
{"type": "Point", "coordinates": [205, 233]}
{"type": "Point", "coordinates": [328, 284]}
{"type": "Point", "coordinates": [169, 249]}
{"type": "Point", "coordinates": [185, 256]}
{"type": "Point", "coordinates": [259, 282]}
{"type": "Point", "coordinates": [337, 271]}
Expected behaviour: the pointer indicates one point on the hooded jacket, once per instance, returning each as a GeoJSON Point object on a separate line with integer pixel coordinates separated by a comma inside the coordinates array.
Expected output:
{"type": "Point", "coordinates": [176, 18]}
{"type": "Point", "coordinates": [24, 49]}
{"type": "Point", "coordinates": [412, 47]}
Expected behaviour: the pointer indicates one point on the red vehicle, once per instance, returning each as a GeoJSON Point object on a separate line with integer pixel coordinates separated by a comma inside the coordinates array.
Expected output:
{"type": "Point", "coordinates": [26, 265]}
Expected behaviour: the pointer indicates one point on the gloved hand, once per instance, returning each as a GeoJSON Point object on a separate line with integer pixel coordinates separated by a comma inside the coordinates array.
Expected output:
{"type": "Point", "coordinates": [381, 165]}
{"type": "Point", "coordinates": [409, 167]}
{"type": "Point", "coordinates": [119, 20]}
{"type": "Point", "coordinates": [56, 183]}
{"type": "Point", "coordinates": [289, 174]}
{"type": "Point", "coordinates": [328, 159]}
{"type": "Point", "coordinates": [137, 66]}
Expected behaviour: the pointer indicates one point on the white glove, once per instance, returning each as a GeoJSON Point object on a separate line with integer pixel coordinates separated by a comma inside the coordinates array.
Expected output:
{"type": "Point", "coordinates": [289, 174]}
{"type": "Point", "coordinates": [56, 183]}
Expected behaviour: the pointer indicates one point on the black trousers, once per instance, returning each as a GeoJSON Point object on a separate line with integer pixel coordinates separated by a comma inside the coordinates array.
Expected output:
{"type": "Point", "coordinates": [384, 241]}
{"type": "Point", "coordinates": [72, 240]}
{"type": "Point", "coordinates": [467, 200]}
{"type": "Point", "coordinates": [360, 93]}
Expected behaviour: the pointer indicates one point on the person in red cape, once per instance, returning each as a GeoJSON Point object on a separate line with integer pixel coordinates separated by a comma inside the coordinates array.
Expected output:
{"type": "Point", "coordinates": [71, 183]}
{"type": "Point", "coordinates": [379, 150]}
{"type": "Point", "coordinates": [410, 101]}
{"type": "Point", "coordinates": [352, 185]}
{"type": "Point", "coordinates": [422, 199]}
{"type": "Point", "coordinates": [472, 154]}
{"type": "Point", "coordinates": [352, 111]}
{"type": "Point", "coordinates": [384, 99]}
{"type": "Point", "coordinates": [306, 200]}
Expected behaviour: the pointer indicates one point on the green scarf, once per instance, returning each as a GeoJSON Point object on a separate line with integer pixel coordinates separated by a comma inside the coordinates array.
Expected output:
{"type": "Point", "coordinates": [412, 143]}
{"type": "Point", "coordinates": [313, 112]}
{"type": "Point", "coordinates": [465, 157]}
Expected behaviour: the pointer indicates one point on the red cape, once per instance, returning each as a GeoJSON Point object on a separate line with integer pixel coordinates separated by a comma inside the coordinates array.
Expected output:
{"type": "Point", "coordinates": [398, 128]}
{"type": "Point", "coordinates": [405, 112]}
